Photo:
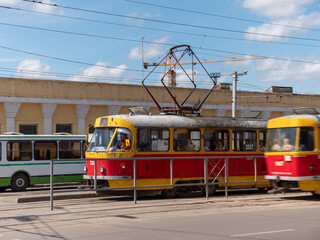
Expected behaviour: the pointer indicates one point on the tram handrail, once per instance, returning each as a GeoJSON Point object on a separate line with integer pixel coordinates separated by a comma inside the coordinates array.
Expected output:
{"type": "Point", "coordinates": [135, 187]}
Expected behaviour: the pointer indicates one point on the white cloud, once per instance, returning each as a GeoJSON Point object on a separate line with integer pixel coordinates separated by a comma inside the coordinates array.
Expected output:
{"type": "Point", "coordinates": [272, 70]}
{"type": "Point", "coordinates": [33, 68]}
{"type": "Point", "coordinates": [149, 51]}
{"type": "Point", "coordinates": [302, 21]}
{"type": "Point", "coordinates": [274, 9]}
{"type": "Point", "coordinates": [31, 6]}
{"type": "Point", "coordinates": [281, 12]}
{"type": "Point", "coordinates": [101, 72]}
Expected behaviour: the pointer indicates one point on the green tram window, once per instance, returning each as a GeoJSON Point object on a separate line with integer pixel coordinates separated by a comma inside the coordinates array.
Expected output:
{"type": "Point", "coordinates": [153, 140]}
{"type": "Point", "coordinates": [19, 151]}
{"type": "Point", "coordinates": [216, 140]}
{"type": "Point", "coordinates": [45, 150]}
{"type": "Point", "coordinates": [69, 149]}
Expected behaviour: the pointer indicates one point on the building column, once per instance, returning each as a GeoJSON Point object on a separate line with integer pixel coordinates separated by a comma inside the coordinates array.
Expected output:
{"type": "Point", "coordinates": [11, 109]}
{"type": "Point", "coordinates": [48, 111]}
{"type": "Point", "coordinates": [113, 109]}
{"type": "Point", "coordinates": [82, 111]}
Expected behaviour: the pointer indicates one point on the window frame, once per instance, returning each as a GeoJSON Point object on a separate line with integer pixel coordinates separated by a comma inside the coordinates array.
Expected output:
{"type": "Point", "coordinates": [69, 150]}
{"type": "Point", "coordinates": [46, 141]}
{"type": "Point", "coordinates": [64, 124]}
{"type": "Point", "coordinates": [11, 153]}
{"type": "Point", "coordinates": [33, 126]}
{"type": "Point", "coordinates": [181, 145]}
{"type": "Point", "coordinates": [219, 136]}
{"type": "Point", "coordinates": [239, 144]}
{"type": "Point", "coordinates": [300, 143]}
{"type": "Point", "coordinates": [149, 138]}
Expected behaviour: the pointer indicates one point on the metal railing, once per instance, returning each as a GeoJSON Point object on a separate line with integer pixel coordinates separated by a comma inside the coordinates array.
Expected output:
{"type": "Point", "coordinates": [223, 180]}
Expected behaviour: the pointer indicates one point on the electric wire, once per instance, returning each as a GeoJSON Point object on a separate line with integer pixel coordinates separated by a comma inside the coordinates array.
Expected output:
{"type": "Point", "coordinates": [163, 30]}
{"type": "Point", "coordinates": [170, 22]}
{"type": "Point", "coordinates": [79, 62]}
{"type": "Point", "coordinates": [153, 29]}
{"type": "Point", "coordinates": [220, 15]}
{"type": "Point", "coordinates": [134, 40]}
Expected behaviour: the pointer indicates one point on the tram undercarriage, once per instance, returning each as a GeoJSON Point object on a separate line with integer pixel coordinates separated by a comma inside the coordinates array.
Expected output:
{"type": "Point", "coordinates": [283, 186]}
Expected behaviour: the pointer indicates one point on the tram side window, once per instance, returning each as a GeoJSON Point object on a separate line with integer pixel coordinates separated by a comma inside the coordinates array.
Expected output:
{"type": "Point", "coordinates": [45, 150]}
{"type": "Point", "coordinates": [69, 149]}
{"type": "Point", "coordinates": [216, 140]}
{"type": "Point", "coordinates": [306, 140]}
{"type": "Point", "coordinates": [153, 140]}
{"type": "Point", "coordinates": [186, 140]}
{"type": "Point", "coordinates": [19, 151]}
{"type": "Point", "coordinates": [244, 140]}
{"type": "Point", "coordinates": [262, 141]}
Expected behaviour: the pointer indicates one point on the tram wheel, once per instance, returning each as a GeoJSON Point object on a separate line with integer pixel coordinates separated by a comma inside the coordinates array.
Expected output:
{"type": "Point", "coordinates": [170, 193]}
{"type": "Point", "coordinates": [19, 182]}
{"type": "Point", "coordinates": [211, 190]}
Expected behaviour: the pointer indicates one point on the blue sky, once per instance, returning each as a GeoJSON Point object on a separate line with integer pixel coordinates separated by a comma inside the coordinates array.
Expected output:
{"type": "Point", "coordinates": [100, 40]}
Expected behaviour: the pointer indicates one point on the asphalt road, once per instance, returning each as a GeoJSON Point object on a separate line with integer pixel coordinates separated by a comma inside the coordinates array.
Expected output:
{"type": "Point", "coordinates": [241, 216]}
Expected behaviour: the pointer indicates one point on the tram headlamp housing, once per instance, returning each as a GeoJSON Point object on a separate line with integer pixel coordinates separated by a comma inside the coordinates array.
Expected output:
{"type": "Point", "coordinates": [123, 165]}
{"type": "Point", "coordinates": [102, 169]}
{"type": "Point", "coordinates": [311, 167]}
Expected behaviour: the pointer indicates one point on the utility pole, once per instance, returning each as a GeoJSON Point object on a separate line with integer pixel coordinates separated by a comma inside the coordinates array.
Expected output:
{"type": "Point", "coordinates": [234, 91]}
{"type": "Point", "coordinates": [142, 57]}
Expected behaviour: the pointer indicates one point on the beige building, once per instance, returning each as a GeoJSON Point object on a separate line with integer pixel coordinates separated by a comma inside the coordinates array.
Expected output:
{"type": "Point", "coordinates": [48, 106]}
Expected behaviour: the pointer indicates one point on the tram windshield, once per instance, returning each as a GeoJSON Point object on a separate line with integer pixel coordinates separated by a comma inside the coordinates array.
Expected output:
{"type": "Point", "coordinates": [281, 139]}
{"type": "Point", "coordinates": [111, 140]}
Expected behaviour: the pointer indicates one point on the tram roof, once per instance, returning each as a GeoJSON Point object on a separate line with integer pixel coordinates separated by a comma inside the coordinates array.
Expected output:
{"type": "Point", "coordinates": [192, 121]}
{"type": "Point", "coordinates": [42, 137]}
{"type": "Point", "coordinates": [314, 117]}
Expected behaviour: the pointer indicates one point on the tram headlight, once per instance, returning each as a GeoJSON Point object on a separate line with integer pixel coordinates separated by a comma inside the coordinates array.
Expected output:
{"type": "Point", "coordinates": [102, 169]}
{"type": "Point", "coordinates": [85, 169]}
{"type": "Point", "coordinates": [311, 167]}
{"type": "Point", "coordinates": [123, 165]}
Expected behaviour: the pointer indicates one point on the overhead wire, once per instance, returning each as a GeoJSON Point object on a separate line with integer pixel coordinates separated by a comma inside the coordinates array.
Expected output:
{"type": "Point", "coordinates": [51, 75]}
{"type": "Point", "coordinates": [170, 22]}
{"type": "Point", "coordinates": [137, 40]}
{"type": "Point", "coordinates": [219, 15]}
{"type": "Point", "coordinates": [79, 62]}
{"type": "Point", "coordinates": [158, 29]}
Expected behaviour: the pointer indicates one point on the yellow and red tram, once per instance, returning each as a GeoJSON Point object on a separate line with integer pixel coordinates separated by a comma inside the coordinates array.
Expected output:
{"type": "Point", "coordinates": [150, 136]}
{"type": "Point", "coordinates": [292, 153]}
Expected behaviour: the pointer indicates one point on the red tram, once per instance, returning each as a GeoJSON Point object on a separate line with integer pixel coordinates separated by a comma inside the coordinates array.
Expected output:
{"type": "Point", "coordinates": [144, 137]}
{"type": "Point", "coordinates": [292, 154]}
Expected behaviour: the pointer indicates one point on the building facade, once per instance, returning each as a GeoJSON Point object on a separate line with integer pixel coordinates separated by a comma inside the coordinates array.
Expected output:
{"type": "Point", "coordinates": [49, 106]}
